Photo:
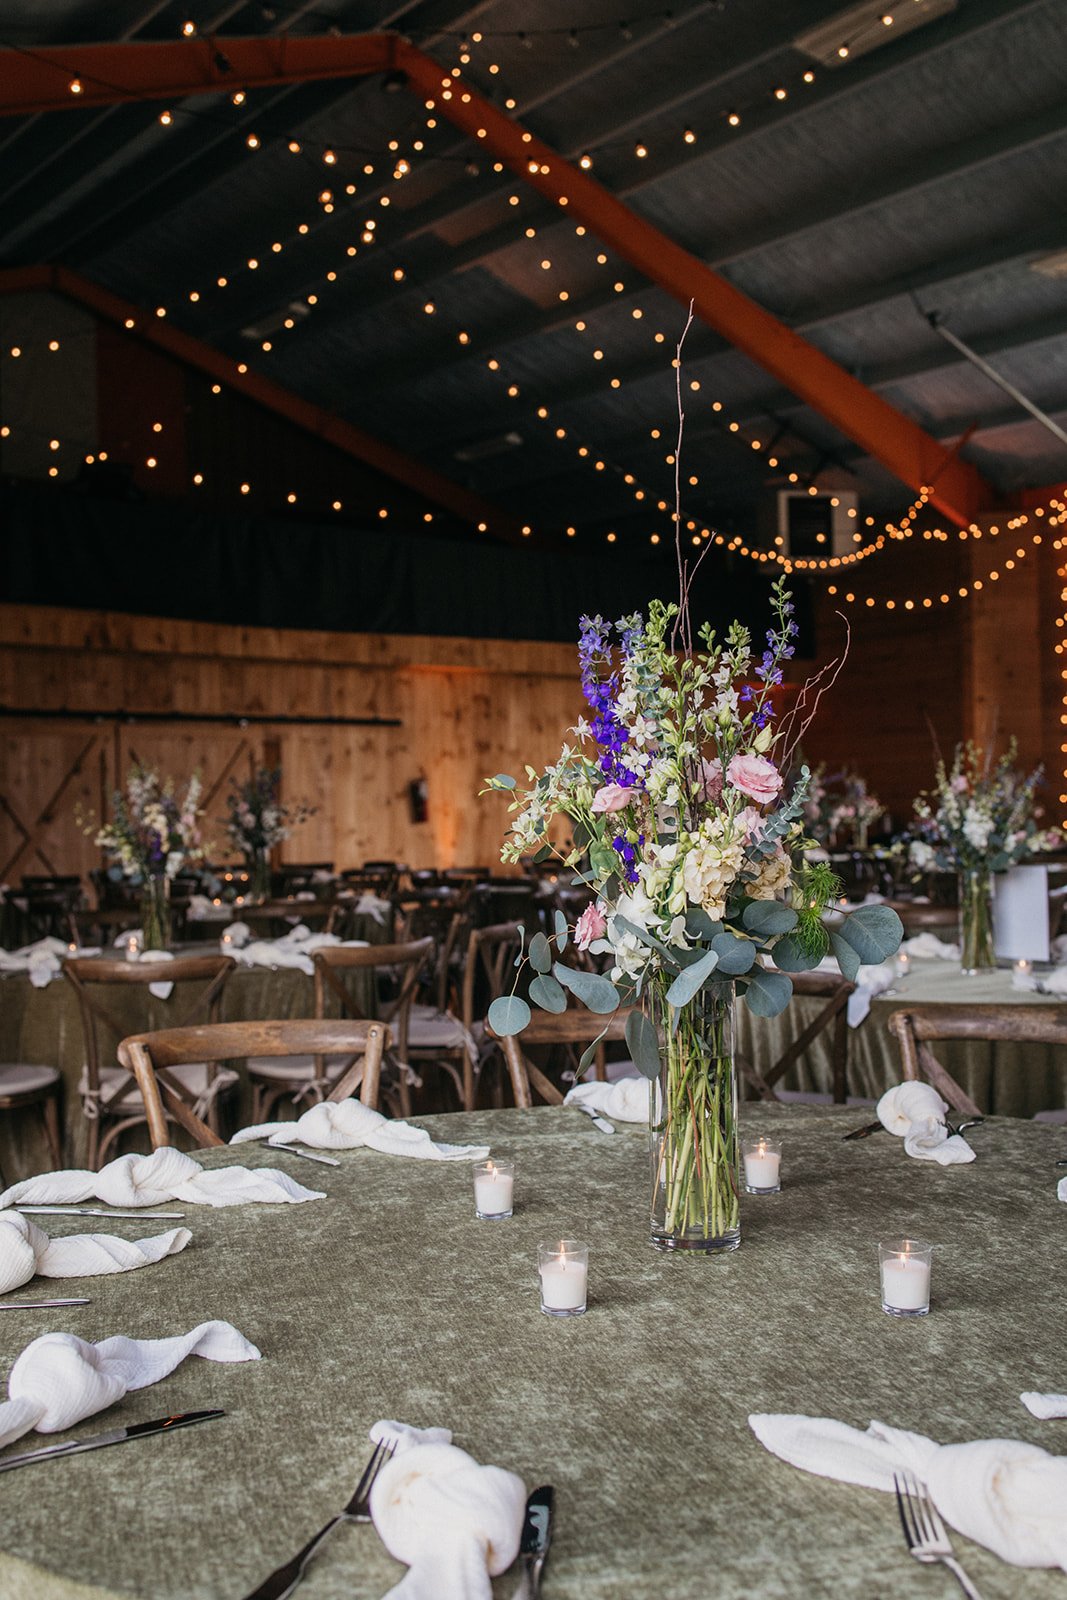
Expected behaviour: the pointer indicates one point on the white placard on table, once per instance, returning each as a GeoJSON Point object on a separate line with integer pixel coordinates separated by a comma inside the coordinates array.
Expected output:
{"type": "Point", "coordinates": [1020, 914]}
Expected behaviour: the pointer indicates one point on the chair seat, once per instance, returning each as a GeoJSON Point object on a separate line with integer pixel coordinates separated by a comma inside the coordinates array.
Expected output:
{"type": "Point", "coordinates": [430, 1029]}
{"type": "Point", "coordinates": [294, 1069]}
{"type": "Point", "coordinates": [194, 1076]}
{"type": "Point", "coordinates": [19, 1078]}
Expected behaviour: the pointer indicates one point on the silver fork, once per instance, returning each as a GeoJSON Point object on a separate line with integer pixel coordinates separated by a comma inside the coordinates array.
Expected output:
{"type": "Point", "coordinates": [924, 1532]}
{"type": "Point", "coordinates": [284, 1579]}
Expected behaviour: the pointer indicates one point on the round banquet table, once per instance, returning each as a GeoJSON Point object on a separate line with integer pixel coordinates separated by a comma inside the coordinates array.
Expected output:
{"type": "Point", "coordinates": [1010, 1080]}
{"type": "Point", "coordinates": [389, 1299]}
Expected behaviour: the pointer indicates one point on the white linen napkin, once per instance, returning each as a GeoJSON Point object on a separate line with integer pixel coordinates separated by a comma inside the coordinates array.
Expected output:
{"type": "Point", "coordinates": [294, 950]}
{"type": "Point", "coordinates": [870, 981]}
{"type": "Point", "coordinates": [1044, 1406]}
{"type": "Point", "coordinates": [928, 947]}
{"type": "Point", "coordinates": [239, 934]}
{"type": "Point", "coordinates": [162, 991]}
{"type": "Point", "coordinates": [915, 1112]}
{"type": "Point", "coordinates": [348, 1124]}
{"type": "Point", "coordinates": [26, 1250]}
{"type": "Point", "coordinates": [626, 1100]}
{"type": "Point", "coordinates": [167, 1174]}
{"type": "Point", "coordinates": [41, 961]}
{"type": "Point", "coordinates": [1061, 1189]}
{"type": "Point", "coordinates": [372, 905]}
{"type": "Point", "coordinates": [455, 1523]}
{"type": "Point", "coordinates": [1002, 1493]}
{"type": "Point", "coordinates": [1054, 982]}
{"type": "Point", "coordinates": [59, 1380]}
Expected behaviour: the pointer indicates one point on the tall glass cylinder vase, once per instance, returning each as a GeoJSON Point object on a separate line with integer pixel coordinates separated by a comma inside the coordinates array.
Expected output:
{"type": "Point", "coordinates": [693, 1125]}
{"type": "Point", "coordinates": [976, 921]}
{"type": "Point", "coordinates": [258, 865]}
{"type": "Point", "coordinates": [155, 912]}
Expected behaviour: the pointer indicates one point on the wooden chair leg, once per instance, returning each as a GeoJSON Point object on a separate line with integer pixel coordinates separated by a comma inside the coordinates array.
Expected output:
{"type": "Point", "coordinates": [840, 1058]}
{"type": "Point", "coordinates": [92, 1144]}
{"type": "Point", "coordinates": [53, 1137]}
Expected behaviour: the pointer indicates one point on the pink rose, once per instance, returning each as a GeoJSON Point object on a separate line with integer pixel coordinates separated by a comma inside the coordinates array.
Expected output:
{"type": "Point", "coordinates": [612, 797]}
{"type": "Point", "coordinates": [751, 823]}
{"type": "Point", "coordinates": [710, 781]}
{"type": "Point", "coordinates": [590, 925]}
{"type": "Point", "coordinates": [755, 776]}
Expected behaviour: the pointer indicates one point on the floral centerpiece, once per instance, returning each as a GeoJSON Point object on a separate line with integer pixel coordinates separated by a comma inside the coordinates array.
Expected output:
{"type": "Point", "coordinates": [682, 826]}
{"type": "Point", "coordinates": [840, 810]}
{"type": "Point", "coordinates": [256, 821]}
{"type": "Point", "coordinates": [979, 818]}
{"type": "Point", "coordinates": [153, 832]}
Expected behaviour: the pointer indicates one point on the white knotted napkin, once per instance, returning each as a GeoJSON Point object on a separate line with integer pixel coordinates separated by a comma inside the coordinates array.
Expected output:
{"type": "Point", "coordinates": [348, 1124]}
{"type": "Point", "coordinates": [162, 991]}
{"type": "Point", "coordinates": [1061, 1189]}
{"type": "Point", "coordinates": [928, 947]}
{"type": "Point", "coordinates": [166, 1174]}
{"type": "Point", "coordinates": [58, 1380]}
{"type": "Point", "coordinates": [26, 1250]}
{"type": "Point", "coordinates": [452, 1521]}
{"type": "Point", "coordinates": [626, 1100]}
{"type": "Point", "coordinates": [1044, 1406]}
{"type": "Point", "coordinates": [870, 981]}
{"type": "Point", "coordinates": [294, 950]}
{"type": "Point", "coordinates": [41, 961]}
{"type": "Point", "coordinates": [238, 934]}
{"type": "Point", "coordinates": [1002, 1493]}
{"type": "Point", "coordinates": [915, 1112]}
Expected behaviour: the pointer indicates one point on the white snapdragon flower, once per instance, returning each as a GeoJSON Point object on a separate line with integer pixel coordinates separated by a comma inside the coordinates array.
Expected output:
{"type": "Point", "coordinates": [977, 827]}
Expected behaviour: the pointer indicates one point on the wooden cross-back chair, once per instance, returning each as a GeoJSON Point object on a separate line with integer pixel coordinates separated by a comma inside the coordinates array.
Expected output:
{"type": "Point", "coordinates": [109, 1093]}
{"type": "Point", "coordinates": [487, 972]}
{"type": "Point", "coordinates": [317, 914]}
{"type": "Point", "coordinates": [403, 964]}
{"type": "Point", "coordinates": [835, 989]}
{"type": "Point", "coordinates": [575, 1028]}
{"type": "Point", "coordinates": [155, 1060]}
{"type": "Point", "coordinates": [919, 1026]}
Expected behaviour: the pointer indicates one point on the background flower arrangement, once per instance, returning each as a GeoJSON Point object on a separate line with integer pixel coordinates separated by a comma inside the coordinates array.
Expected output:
{"type": "Point", "coordinates": [155, 828]}
{"type": "Point", "coordinates": [980, 814]}
{"type": "Point", "coordinates": [256, 821]}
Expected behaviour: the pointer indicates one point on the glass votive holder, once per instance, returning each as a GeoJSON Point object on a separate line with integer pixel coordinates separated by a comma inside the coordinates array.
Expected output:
{"type": "Point", "coordinates": [564, 1268]}
{"type": "Point", "coordinates": [905, 1270]}
{"type": "Point", "coordinates": [762, 1162]}
{"type": "Point", "coordinates": [133, 946]}
{"type": "Point", "coordinates": [494, 1189]}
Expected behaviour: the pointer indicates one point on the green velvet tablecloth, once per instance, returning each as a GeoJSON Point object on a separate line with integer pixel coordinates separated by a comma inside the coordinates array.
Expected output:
{"type": "Point", "coordinates": [389, 1299]}
{"type": "Point", "coordinates": [1010, 1080]}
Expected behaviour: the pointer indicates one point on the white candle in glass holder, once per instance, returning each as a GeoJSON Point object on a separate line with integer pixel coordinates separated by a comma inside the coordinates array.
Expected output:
{"type": "Point", "coordinates": [564, 1269]}
{"type": "Point", "coordinates": [906, 1277]}
{"type": "Point", "coordinates": [494, 1188]}
{"type": "Point", "coordinates": [763, 1165]}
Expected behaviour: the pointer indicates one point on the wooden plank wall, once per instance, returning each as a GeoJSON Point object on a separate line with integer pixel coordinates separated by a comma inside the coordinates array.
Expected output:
{"type": "Point", "coordinates": [466, 708]}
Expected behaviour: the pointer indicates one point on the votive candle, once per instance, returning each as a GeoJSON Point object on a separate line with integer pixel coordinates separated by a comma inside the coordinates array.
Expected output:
{"type": "Point", "coordinates": [564, 1269]}
{"type": "Point", "coordinates": [762, 1159]}
{"type": "Point", "coordinates": [494, 1189]}
{"type": "Point", "coordinates": [905, 1269]}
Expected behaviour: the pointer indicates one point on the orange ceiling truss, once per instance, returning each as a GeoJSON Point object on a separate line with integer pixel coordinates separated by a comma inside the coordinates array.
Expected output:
{"type": "Point", "coordinates": [324, 425]}
{"type": "Point", "coordinates": [60, 77]}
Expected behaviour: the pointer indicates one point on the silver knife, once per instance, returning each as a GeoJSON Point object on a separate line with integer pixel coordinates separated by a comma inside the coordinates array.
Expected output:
{"type": "Point", "coordinates": [535, 1540]}
{"type": "Point", "coordinates": [94, 1211]}
{"type": "Point", "coordinates": [138, 1430]}
{"type": "Point", "coordinates": [308, 1155]}
{"type": "Point", "coordinates": [598, 1121]}
{"type": "Point", "coordinates": [40, 1305]}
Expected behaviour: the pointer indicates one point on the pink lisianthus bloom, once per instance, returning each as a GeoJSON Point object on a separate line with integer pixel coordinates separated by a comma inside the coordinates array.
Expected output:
{"type": "Point", "coordinates": [751, 822]}
{"type": "Point", "coordinates": [591, 925]}
{"type": "Point", "coordinates": [755, 776]}
{"type": "Point", "coordinates": [612, 797]}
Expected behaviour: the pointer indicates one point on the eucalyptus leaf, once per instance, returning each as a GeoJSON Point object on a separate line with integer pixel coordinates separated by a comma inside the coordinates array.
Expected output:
{"type": "Point", "coordinates": [588, 1055]}
{"type": "Point", "coordinates": [790, 955]}
{"type": "Point", "coordinates": [874, 932]}
{"type": "Point", "coordinates": [540, 953]}
{"type": "Point", "coordinates": [643, 1043]}
{"type": "Point", "coordinates": [596, 993]}
{"type": "Point", "coordinates": [508, 1015]}
{"type": "Point", "coordinates": [560, 923]}
{"type": "Point", "coordinates": [542, 854]}
{"type": "Point", "coordinates": [698, 925]}
{"type": "Point", "coordinates": [768, 917]}
{"type": "Point", "coordinates": [688, 982]}
{"type": "Point", "coordinates": [846, 955]}
{"type": "Point", "coordinates": [503, 780]}
{"type": "Point", "coordinates": [767, 993]}
{"type": "Point", "coordinates": [602, 859]}
{"type": "Point", "coordinates": [546, 993]}
{"type": "Point", "coordinates": [735, 955]}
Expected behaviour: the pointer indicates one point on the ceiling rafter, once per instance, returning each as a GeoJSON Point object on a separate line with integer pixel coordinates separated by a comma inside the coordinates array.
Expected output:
{"type": "Point", "coordinates": [828, 88]}
{"type": "Point", "coordinates": [315, 420]}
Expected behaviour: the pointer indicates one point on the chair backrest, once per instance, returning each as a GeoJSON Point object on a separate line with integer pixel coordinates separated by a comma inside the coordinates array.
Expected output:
{"type": "Point", "coordinates": [1020, 1023]}
{"type": "Point", "coordinates": [86, 974]}
{"type": "Point", "coordinates": [920, 918]}
{"type": "Point", "coordinates": [490, 956]}
{"type": "Point", "coordinates": [323, 912]}
{"type": "Point", "coordinates": [149, 1056]}
{"type": "Point", "coordinates": [406, 960]}
{"type": "Point", "coordinates": [835, 989]}
{"type": "Point", "coordinates": [565, 1027]}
